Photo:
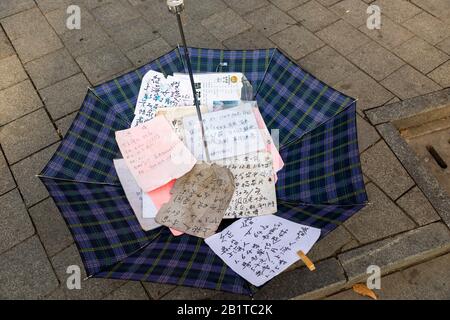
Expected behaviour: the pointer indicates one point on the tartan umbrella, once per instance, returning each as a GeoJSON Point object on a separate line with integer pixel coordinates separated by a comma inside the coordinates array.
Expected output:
{"type": "Point", "coordinates": [321, 184]}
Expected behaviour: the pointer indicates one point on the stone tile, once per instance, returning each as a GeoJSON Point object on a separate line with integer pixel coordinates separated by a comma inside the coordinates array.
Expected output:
{"type": "Point", "coordinates": [188, 293]}
{"type": "Point", "coordinates": [407, 82]}
{"type": "Point", "coordinates": [87, 39]}
{"type": "Point", "coordinates": [16, 225]}
{"type": "Point", "coordinates": [328, 3]}
{"type": "Point", "coordinates": [156, 13]}
{"type": "Point", "coordinates": [417, 206]}
{"type": "Point", "coordinates": [397, 252]}
{"type": "Point", "coordinates": [428, 28]}
{"type": "Point", "coordinates": [375, 60]}
{"type": "Point", "coordinates": [27, 135]}
{"type": "Point", "coordinates": [398, 10]}
{"type": "Point", "coordinates": [444, 45]}
{"type": "Point", "coordinates": [243, 7]}
{"type": "Point", "coordinates": [117, 12]}
{"type": "Point", "coordinates": [11, 72]}
{"type": "Point", "coordinates": [200, 9]}
{"type": "Point", "coordinates": [51, 227]}
{"type": "Point", "coordinates": [148, 52]}
{"type": "Point", "coordinates": [331, 245]}
{"type": "Point", "coordinates": [442, 75]}
{"type": "Point", "coordinates": [382, 167]}
{"type": "Point", "coordinates": [390, 35]}
{"type": "Point", "coordinates": [286, 5]}
{"type": "Point", "coordinates": [52, 5]}
{"type": "Point", "coordinates": [367, 135]}
{"type": "Point", "coordinates": [91, 289]}
{"type": "Point", "coordinates": [343, 37]}
{"type": "Point", "coordinates": [157, 290]}
{"type": "Point", "coordinates": [64, 124]}
{"type": "Point", "coordinates": [103, 63]}
{"type": "Point", "coordinates": [368, 92]}
{"type": "Point", "coordinates": [6, 179]}
{"type": "Point", "coordinates": [250, 39]}
{"type": "Point", "coordinates": [421, 55]}
{"type": "Point", "coordinates": [25, 173]}
{"type": "Point", "coordinates": [10, 7]}
{"type": "Point", "coordinates": [58, 18]}
{"type": "Point", "coordinates": [438, 8]}
{"type": "Point", "coordinates": [25, 23]}
{"type": "Point", "coordinates": [328, 65]}
{"type": "Point", "coordinates": [297, 41]}
{"type": "Point", "coordinates": [51, 68]}
{"type": "Point", "coordinates": [17, 101]}
{"type": "Point", "coordinates": [26, 272]}
{"type": "Point", "coordinates": [37, 45]}
{"type": "Point", "coordinates": [91, 4]}
{"type": "Point", "coordinates": [269, 20]}
{"type": "Point", "coordinates": [6, 49]}
{"type": "Point", "coordinates": [65, 96]}
{"type": "Point", "coordinates": [313, 16]}
{"type": "Point", "coordinates": [352, 11]}
{"type": "Point", "coordinates": [378, 220]}
{"type": "Point", "coordinates": [304, 284]}
{"type": "Point", "coordinates": [132, 290]}
{"type": "Point", "coordinates": [225, 24]}
{"type": "Point", "coordinates": [132, 34]}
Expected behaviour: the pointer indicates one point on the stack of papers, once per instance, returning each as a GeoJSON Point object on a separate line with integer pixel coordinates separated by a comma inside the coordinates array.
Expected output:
{"type": "Point", "coordinates": [168, 184]}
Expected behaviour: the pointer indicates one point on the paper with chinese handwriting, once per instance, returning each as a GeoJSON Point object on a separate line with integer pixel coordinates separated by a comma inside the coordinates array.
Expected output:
{"type": "Point", "coordinates": [199, 200]}
{"type": "Point", "coordinates": [154, 153]}
{"type": "Point", "coordinates": [254, 192]}
{"type": "Point", "coordinates": [229, 133]}
{"type": "Point", "coordinates": [260, 248]}
{"type": "Point", "coordinates": [134, 195]}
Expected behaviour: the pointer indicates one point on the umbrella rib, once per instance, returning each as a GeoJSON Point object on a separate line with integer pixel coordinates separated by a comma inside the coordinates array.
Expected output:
{"type": "Point", "coordinates": [40, 176]}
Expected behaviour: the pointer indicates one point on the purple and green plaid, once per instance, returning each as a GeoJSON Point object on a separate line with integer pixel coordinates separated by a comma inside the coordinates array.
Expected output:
{"type": "Point", "coordinates": [321, 184]}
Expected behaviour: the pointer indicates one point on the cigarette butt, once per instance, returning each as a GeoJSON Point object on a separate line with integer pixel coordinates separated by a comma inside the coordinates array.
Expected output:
{"type": "Point", "coordinates": [306, 261]}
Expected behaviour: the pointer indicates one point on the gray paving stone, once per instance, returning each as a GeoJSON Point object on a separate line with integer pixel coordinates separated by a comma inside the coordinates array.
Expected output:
{"type": "Point", "coordinates": [328, 65]}
{"type": "Point", "coordinates": [132, 34]}
{"type": "Point", "coordinates": [352, 11]}
{"type": "Point", "coordinates": [132, 290]}
{"type": "Point", "coordinates": [52, 5]}
{"type": "Point", "coordinates": [269, 20]}
{"type": "Point", "coordinates": [250, 39]}
{"type": "Point", "coordinates": [51, 227]}
{"type": "Point", "coordinates": [328, 3]}
{"type": "Point", "coordinates": [390, 35]}
{"type": "Point", "coordinates": [17, 101]}
{"type": "Point", "coordinates": [444, 45]}
{"type": "Point", "coordinates": [51, 68]}
{"type": "Point", "coordinates": [421, 55]}
{"type": "Point", "coordinates": [148, 52]}
{"type": "Point", "coordinates": [103, 63]}
{"type": "Point", "coordinates": [304, 284]}
{"type": "Point", "coordinates": [10, 7]}
{"type": "Point", "coordinates": [225, 24]}
{"type": "Point", "coordinates": [313, 16]}
{"type": "Point", "coordinates": [297, 41]}
{"type": "Point", "coordinates": [188, 293]}
{"type": "Point", "coordinates": [397, 252]}
{"type": "Point", "coordinates": [25, 173]}
{"type": "Point", "coordinates": [243, 7]}
{"type": "Point", "coordinates": [156, 13]}
{"type": "Point", "coordinates": [6, 49]}
{"type": "Point", "coordinates": [398, 10]}
{"type": "Point", "coordinates": [89, 38]}
{"type": "Point", "coordinates": [367, 135]}
{"type": "Point", "coordinates": [26, 272]}
{"type": "Point", "coordinates": [286, 5]}
{"type": "Point", "coordinates": [91, 289]}
{"type": "Point", "coordinates": [16, 225]}
{"type": "Point", "coordinates": [375, 60]}
{"type": "Point", "coordinates": [343, 37]}
{"type": "Point", "coordinates": [378, 220]}
{"type": "Point", "coordinates": [407, 82]}
{"type": "Point", "coordinates": [331, 245]}
{"type": "Point", "coordinates": [417, 206]}
{"type": "Point", "coordinates": [11, 72]}
{"type": "Point", "coordinates": [157, 290]}
{"type": "Point", "coordinates": [6, 179]}
{"type": "Point", "coordinates": [438, 8]}
{"type": "Point", "coordinates": [64, 124]}
{"type": "Point", "coordinates": [58, 18]}
{"type": "Point", "coordinates": [91, 4]}
{"type": "Point", "coordinates": [65, 96]}
{"type": "Point", "coordinates": [117, 12]}
{"type": "Point", "coordinates": [442, 75]}
{"type": "Point", "coordinates": [25, 23]}
{"type": "Point", "coordinates": [428, 27]}
{"type": "Point", "coordinates": [368, 92]}
{"type": "Point", "coordinates": [382, 167]}
{"type": "Point", "coordinates": [199, 9]}
{"type": "Point", "coordinates": [27, 135]}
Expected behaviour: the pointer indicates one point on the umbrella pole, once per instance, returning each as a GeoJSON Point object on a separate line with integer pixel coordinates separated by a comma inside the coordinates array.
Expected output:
{"type": "Point", "coordinates": [176, 7]}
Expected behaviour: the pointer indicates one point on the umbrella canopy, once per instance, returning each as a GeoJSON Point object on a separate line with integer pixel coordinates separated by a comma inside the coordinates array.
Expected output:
{"type": "Point", "coordinates": [321, 184]}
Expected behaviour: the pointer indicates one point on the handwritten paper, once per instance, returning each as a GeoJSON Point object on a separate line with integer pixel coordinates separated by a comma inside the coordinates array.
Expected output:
{"type": "Point", "coordinates": [154, 153]}
{"type": "Point", "coordinates": [229, 133]}
{"type": "Point", "coordinates": [260, 248]}
{"type": "Point", "coordinates": [134, 194]}
{"type": "Point", "coordinates": [199, 200]}
{"type": "Point", "coordinates": [254, 192]}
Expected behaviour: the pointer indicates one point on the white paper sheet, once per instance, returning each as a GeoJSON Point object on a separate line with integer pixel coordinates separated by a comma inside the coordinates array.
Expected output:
{"type": "Point", "coordinates": [260, 248]}
{"type": "Point", "coordinates": [229, 133]}
{"type": "Point", "coordinates": [149, 209]}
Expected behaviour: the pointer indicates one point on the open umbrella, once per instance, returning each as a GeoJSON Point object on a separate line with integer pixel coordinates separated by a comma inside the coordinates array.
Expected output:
{"type": "Point", "coordinates": [321, 184]}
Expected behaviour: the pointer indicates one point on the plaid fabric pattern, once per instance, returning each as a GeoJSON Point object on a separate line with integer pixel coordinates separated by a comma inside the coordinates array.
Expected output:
{"type": "Point", "coordinates": [321, 184]}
